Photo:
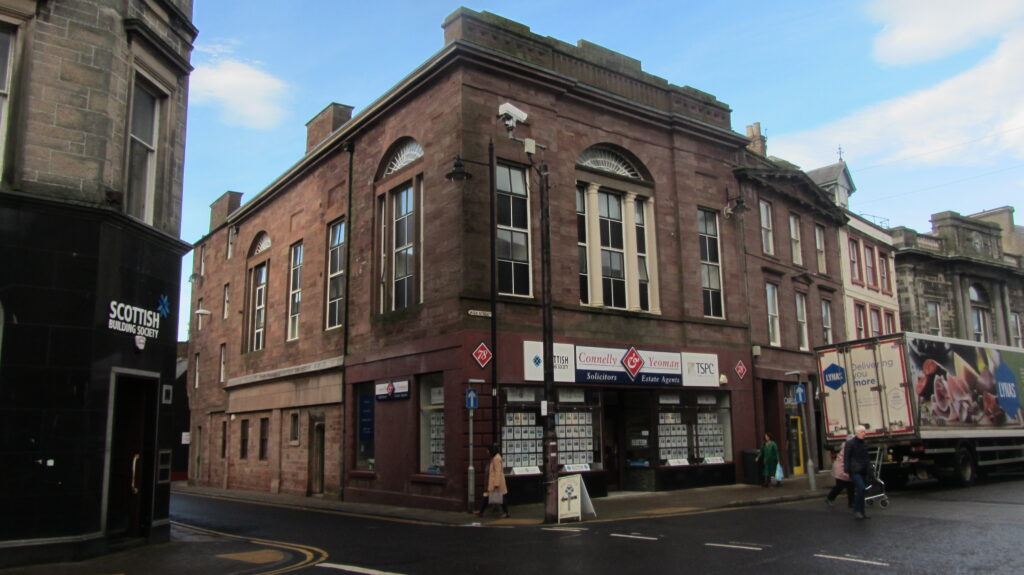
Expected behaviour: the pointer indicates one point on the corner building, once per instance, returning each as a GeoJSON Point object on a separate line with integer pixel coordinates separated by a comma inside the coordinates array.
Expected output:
{"type": "Point", "coordinates": [93, 102]}
{"type": "Point", "coordinates": [339, 314]}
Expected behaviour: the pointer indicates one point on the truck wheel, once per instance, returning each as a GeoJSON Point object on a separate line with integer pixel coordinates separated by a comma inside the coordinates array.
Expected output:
{"type": "Point", "coordinates": [966, 473]}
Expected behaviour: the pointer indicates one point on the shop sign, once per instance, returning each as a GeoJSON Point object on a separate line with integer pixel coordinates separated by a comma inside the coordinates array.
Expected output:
{"type": "Point", "coordinates": [701, 369]}
{"type": "Point", "coordinates": [520, 394]}
{"type": "Point", "coordinates": [392, 390]}
{"type": "Point", "coordinates": [562, 356]}
{"type": "Point", "coordinates": [622, 366]}
{"type": "Point", "coordinates": [482, 354]}
{"type": "Point", "coordinates": [143, 323]}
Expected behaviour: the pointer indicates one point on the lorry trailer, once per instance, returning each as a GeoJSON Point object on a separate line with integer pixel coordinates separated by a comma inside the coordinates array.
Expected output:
{"type": "Point", "coordinates": [935, 406]}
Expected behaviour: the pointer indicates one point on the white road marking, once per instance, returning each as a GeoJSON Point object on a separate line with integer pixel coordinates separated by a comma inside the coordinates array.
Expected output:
{"type": "Point", "coordinates": [568, 529]}
{"type": "Point", "coordinates": [728, 546]}
{"type": "Point", "coordinates": [354, 569]}
{"type": "Point", "coordinates": [624, 536]}
{"type": "Point", "coordinates": [852, 559]}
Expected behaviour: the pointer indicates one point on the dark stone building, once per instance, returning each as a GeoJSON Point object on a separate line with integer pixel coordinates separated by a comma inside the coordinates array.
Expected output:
{"type": "Point", "coordinates": [965, 279]}
{"type": "Point", "coordinates": [342, 312]}
{"type": "Point", "coordinates": [92, 100]}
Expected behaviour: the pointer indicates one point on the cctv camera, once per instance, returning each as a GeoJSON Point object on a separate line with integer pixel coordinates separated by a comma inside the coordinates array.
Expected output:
{"type": "Point", "coordinates": [511, 115]}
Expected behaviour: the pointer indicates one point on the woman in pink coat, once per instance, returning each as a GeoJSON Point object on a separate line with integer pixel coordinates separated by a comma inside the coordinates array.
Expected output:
{"type": "Point", "coordinates": [495, 489]}
{"type": "Point", "coordinates": [842, 480]}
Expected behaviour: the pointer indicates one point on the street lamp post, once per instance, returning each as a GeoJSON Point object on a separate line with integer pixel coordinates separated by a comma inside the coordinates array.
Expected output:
{"type": "Point", "coordinates": [550, 442]}
{"type": "Point", "coordinates": [459, 174]}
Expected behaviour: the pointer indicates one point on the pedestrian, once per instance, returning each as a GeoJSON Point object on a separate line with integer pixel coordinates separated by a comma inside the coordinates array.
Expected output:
{"type": "Point", "coordinates": [495, 490]}
{"type": "Point", "coordinates": [857, 463]}
{"type": "Point", "coordinates": [769, 458]}
{"type": "Point", "coordinates": [842, 479]}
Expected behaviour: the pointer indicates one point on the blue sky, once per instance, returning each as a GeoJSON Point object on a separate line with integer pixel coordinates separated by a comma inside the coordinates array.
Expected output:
{"type": "Point", "coordinates": [924, 96]}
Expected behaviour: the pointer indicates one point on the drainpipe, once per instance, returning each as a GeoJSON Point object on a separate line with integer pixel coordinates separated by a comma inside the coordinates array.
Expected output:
{"type": "Point", "coordinates": [349, 147]}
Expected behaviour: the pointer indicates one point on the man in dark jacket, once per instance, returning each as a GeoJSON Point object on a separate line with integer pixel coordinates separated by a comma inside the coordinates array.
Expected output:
{"type": "Point", "coordinates": [858, 465]}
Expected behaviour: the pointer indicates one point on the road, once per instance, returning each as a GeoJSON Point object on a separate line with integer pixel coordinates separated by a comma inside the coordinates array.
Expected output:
{"type": "Point", "coordinates": [926, 529]}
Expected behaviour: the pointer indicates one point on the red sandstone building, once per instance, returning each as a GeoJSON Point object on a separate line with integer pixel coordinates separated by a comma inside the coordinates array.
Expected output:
{"type": "Point", "coordinates": [338, 312]}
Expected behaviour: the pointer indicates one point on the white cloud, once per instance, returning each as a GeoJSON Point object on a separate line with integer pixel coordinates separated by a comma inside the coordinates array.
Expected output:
{"type": "Point", "coordinates": [965, 120]}
{"type": "Point", "coordinates": [921, 30]}
{"type": "Point", "coordinates": [245, 95]}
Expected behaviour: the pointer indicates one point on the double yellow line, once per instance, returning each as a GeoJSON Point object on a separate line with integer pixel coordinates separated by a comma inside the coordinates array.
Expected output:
{"type": "Point", "coordinates": [311, 555]}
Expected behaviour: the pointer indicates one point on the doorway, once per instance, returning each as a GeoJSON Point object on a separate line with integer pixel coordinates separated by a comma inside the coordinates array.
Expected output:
{"type": "Point", "coordinates": [795, 443]}
{"type": "Point", "coordinates": [316, 459]}
{"type": "Point", "coordinates": [132, 462]}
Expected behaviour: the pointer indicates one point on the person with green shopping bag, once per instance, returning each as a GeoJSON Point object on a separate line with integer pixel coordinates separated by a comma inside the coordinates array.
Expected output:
{"type": "Point", "coordinates": [769, 458]}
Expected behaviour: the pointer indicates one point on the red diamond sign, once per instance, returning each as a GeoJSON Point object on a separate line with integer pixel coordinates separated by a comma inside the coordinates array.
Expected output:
{"type": "Point", "coordinates": [632, 362]}
{"type": "Point", "coordinates": [741, 369]}
{"type": "Point", "coordinates": [482, 354]}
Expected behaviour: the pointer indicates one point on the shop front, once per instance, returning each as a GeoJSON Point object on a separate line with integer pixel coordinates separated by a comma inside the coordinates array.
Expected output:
{"type": "Point", "coordinates": [625, 419]}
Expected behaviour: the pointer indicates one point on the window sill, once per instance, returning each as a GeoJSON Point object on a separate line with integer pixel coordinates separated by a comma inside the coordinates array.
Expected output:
{"type": "Point", "coordinates": [362, 474]}
{"type": "Point", "coordinates": [430, 478]}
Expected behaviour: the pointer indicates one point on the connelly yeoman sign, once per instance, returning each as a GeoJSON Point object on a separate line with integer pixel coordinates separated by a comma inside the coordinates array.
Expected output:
{"type": "Point", "coordinates": [615, 366]}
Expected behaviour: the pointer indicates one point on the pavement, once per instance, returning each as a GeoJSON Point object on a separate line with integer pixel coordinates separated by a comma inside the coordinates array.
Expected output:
{"type": "Point", "coordinates": [197, 551]}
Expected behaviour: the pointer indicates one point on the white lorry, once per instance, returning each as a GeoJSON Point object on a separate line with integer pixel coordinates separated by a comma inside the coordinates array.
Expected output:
{"type": "Point", "coordinates": [934, 406]}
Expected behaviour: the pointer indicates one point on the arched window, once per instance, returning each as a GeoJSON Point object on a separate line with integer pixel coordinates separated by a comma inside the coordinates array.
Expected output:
{"type": "Point", "coordinates": [980, 312]}
{"type": "Point", "coordinates": [258, 278]}
{"type": "Point", "coordinates": [404, 154]}
{"type": "Point", "coordinates": [615, 231]}
{"type": "Point", "coordinates": [608, 160]}
{"type": "Point", "coordinates": [400, 212]}
{"type": "Point", "coordinates": [260, 244]}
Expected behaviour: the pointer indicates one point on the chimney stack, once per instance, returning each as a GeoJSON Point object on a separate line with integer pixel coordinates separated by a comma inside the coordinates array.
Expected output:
{"type": "Point", "coordinates": [323, 124]}
{"type": "Point", "coordinates": [758, 143]}
{"type": "Point", "coordinates": [223, 207]}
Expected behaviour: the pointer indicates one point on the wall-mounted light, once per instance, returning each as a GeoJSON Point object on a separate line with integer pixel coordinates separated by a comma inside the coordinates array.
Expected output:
{"type": "Point", "coordinates": [458, 173]}
{"type": "Point", "coordinates": [736, 205]}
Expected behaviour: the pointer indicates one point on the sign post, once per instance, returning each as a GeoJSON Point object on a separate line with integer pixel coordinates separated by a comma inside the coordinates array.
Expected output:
{"type": "Point", "coordinates": [472, 402]}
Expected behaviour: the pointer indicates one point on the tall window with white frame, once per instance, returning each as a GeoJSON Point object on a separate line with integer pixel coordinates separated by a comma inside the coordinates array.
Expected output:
{"type": "Point", "coordinates": [855, 274]}
{"type": "Point", "coordinates": [226, 307]}
{"type": "Point", "coordinates": [259, 307]}
{"type": "Point", "coordinates": [876, 322]}
{"type": "Point", "coordinates": [7, 38]}
{"type": "Point", "coordinates": [613, 260]}
{"type": "Point", "coordinates": [710, 263]}
{"type": "Point", "coordinates": [403, 250]}
{"type": "Point", "coordinates": [933, 318]}
{"type": "Point", "coordinates": [794, 239]}
{"type": "Point", "coordinates": [767, 233]}
{"type": "Point", "coordinates": [869, 266]}
{"type": "Point", "coordinates": [979, 313]}
{"type": "Point", "coordinates": [819, 248]}
{"type": "Point", "coordinates": [199, 316]}
{"type": "Point", "coordinates": [884, 282]}
{"type": "Point", "coordinates": [513, 233]}
{"type": "Point", "coordinates": [294, 291]}
{"type": "Point", "coordinates": [643, 276]}
{"type": "Point", "coordinates": [774, 333]}
{"type": "Point", "coordinates": [615, 231]}
{"type": "Point", "coordinates": [826, 320]}
{"type": "Point", "coordinates": [801, 322]}
{"type": "Point", "coordinates": [195, 366]}
{"type": "Point", "coordinates": [581, 242]}
{"type": "Point", "coordinates": [335, 273]}
{"type": "Point", "coordinates": [860, 318]}
{"type": "Point", "coordinates": [142, 152]}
